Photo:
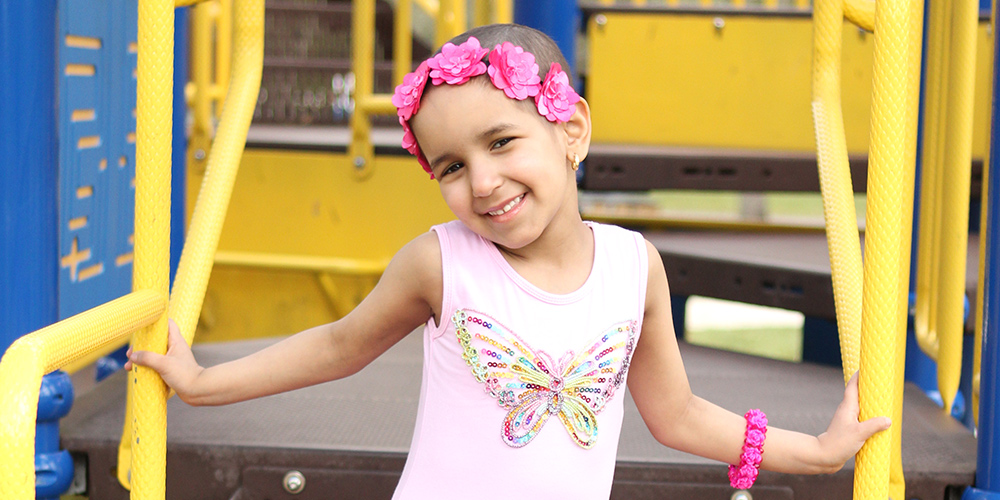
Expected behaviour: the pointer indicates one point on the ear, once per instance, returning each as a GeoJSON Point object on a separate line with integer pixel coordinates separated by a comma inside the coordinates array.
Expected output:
{"type": "Point", "coordinates": [578, 131]}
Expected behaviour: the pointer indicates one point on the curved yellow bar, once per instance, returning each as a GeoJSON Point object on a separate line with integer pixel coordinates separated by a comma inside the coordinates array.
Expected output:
{"type": "Point", "coordinates": [955, 200]}
{"type": "Point", "coordinates": [842, 236]}
{"type": "Point", "coordinates": [861, 13]}
{"type": "Point", "coordinates": [48, 349]}
{"type": "Point", "coordinates": [889, 211]}
{"type": "Point", "coordinates": [336, 265]}
{"type": "Point", "coordinates": [929, 238]}
{"type": "Point", "coordinates": [223, 163]}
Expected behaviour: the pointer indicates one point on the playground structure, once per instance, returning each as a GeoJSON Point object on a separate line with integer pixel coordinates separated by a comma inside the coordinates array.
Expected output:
{"type": "Point", "coordinates": [361, 169]}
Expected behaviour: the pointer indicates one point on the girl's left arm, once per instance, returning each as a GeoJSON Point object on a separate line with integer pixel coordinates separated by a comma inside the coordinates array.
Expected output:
{"type": "Point", "coordinates": [679, 419]}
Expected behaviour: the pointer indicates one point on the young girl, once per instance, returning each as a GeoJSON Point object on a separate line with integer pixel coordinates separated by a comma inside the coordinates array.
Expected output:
{"type": "Point", "coordinates": [533, 319]}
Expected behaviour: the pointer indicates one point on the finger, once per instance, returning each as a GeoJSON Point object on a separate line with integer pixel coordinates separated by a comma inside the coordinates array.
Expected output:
{"type": "Point", "coordinates": [851, 401]}
{"type": "Point", "coordinates": [174, 336]}
{"type": "Point", "coordinates": [147, 359]}
{"type": "Point", "coordinates": [875, 425]}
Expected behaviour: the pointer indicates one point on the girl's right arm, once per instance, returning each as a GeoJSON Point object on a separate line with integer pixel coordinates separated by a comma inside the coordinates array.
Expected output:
{"type": "Point", "coordinates": [406, 296]}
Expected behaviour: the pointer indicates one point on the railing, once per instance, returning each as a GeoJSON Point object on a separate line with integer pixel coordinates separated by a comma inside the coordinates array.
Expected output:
{"type": "Point", "coordinates": [873, 330]}
{"type": "Point", "coordinates": [143, 455]}
{"type": "Point", "coordinates": [449, 15]}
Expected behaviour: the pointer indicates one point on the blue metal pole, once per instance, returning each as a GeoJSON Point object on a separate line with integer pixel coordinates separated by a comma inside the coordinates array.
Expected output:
{"type": "Point", "coordinates": [29, 261]}
{"type": "Point", "coordinates": [560, 19]}
{"type": "Point", "coordinates": [53, 467]}
{"type": "Point", "coordinates": [988, 466]}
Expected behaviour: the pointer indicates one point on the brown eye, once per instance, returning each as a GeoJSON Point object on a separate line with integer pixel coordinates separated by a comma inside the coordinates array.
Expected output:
{"type": "Point", "coordinates": [451, 169]}
{"type": "Point", "coordinates": [501, 143]}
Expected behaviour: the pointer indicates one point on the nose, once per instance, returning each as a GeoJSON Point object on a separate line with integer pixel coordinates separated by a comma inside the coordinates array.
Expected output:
{"type": "Point", "coordinates": [485, 179]}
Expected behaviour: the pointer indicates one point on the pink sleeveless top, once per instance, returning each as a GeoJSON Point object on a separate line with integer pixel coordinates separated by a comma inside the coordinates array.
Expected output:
{"type": "Point", "coordinates": [522, 389]}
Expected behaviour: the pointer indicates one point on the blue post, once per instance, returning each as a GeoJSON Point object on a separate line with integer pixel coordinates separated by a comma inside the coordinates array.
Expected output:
{"type": "Point", "coordinates": [53, 467]}
{"type": "Point", "coordinates": [988, 466]}
{"type": "Point", "coordinates": [28, 217]}
{"type": "Point", "coordinates": [560, 19]}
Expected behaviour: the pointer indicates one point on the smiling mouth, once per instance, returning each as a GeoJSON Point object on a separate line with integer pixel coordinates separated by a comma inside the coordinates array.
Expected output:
{"type": "Point", "coordinates": [507, 207]}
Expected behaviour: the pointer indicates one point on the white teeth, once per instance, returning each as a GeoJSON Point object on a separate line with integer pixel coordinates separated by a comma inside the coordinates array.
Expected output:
{"type": "Point", "coordinates": [508, 206]}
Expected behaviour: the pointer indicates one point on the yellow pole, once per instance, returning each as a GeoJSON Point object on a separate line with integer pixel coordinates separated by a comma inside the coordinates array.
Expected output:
{"type": "Point", "coordinates": [889, 211]}
{"type": "Point", "coordinates": [482, 12]}
{"type": "Point", "coordinates": [151, 267]}
{"type": "Point", "coordinates": [935, 113]}
{"type": "Point", "coordinates": [223, 51]}
{"type": "Point", "coordinates": [897, 481]}
{"type": "Point", "coordinates": [402, 41]}
{"type": "Point", "coordinates": [955, 200]}
{"type": "Point", "coordinates": [431, 7]}
{"type": "Point", "coordinates": [504, 11]}
{"type": "Point", "coordinates": [213, 199]}
{"type": "Point", "coordinates": [363, 61]}
{"type": "Point", "coordinates": [450, 20]}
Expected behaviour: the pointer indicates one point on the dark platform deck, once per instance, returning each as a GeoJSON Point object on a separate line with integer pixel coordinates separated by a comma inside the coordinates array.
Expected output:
{"type": "Point", "coordinates": [786, 270]}
{"type": "Point", "coordinates": [349, 438]}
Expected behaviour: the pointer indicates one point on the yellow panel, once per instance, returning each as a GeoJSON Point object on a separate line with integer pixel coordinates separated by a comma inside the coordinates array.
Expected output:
{"type": "Point", "coordinates": [245, 303]}
{"type": "Point", "coordinates": [679, 80]}
{"type": "Point", "coordinates": [309, 204]}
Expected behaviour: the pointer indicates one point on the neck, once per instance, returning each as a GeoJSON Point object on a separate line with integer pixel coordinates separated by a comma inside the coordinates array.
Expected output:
{"type": "Point", "coordinates": [560, 260]}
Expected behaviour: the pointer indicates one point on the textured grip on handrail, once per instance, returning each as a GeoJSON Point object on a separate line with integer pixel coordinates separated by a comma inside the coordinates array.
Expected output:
{"type": "Point", "coordinates": [33, 355]}
{"type": "Point", "coordinates": [213, 199]}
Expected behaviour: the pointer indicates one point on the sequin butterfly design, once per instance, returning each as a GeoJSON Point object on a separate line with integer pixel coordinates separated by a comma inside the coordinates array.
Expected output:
{"type": "Point", "coordinates": [533, 387]}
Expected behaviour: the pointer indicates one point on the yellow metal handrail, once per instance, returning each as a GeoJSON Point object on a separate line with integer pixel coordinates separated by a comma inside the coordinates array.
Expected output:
{"type": "Point", "coordinates": [871, 302]}
{"type": "Point", "coordinates": [33, 355]}
{"type": "Point", "coordinates": [946, 173]}
{"type": "Point", "coordinates": [29, 358]}
{"type": "Point", "coordinates": [449, 15]}
{"type": "Point", "coordinates": [210, 210]}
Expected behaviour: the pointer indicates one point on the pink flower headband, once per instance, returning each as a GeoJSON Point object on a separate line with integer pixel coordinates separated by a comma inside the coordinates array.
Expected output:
{"type": "Point", "coordinates": [511, 69]}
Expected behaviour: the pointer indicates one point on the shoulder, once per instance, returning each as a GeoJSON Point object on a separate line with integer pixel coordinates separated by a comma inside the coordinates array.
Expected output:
{"type": "Point", "coordinates": [657, 289]}
{"type": "Point", "coordinates": [420, 258]}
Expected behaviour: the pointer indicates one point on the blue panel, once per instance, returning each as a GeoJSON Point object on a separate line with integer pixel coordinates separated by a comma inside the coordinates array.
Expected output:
{"type": "Point", "coordinates": [178, 176]}
{"type": "Point", "coordinates": [97, 60]}
{"type": "Point", "coordinates": [560, 19]}
{"type": "Point", "coordinates": [988, 468]}
{"type": "Point", "coordinates": [28, 260]}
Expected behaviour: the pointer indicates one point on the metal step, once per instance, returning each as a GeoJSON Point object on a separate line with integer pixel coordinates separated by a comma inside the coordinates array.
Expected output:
{"type": "Point", "coordinates": [349, 438]}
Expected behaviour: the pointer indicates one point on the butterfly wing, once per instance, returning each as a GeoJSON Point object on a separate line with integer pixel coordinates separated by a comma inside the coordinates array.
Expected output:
{"type": "Point", "coordinates": [600, 368]}
{"type": "Point", "coordinates": [532, 387]}
{"type": "Point", "coordinates": [511, 372]}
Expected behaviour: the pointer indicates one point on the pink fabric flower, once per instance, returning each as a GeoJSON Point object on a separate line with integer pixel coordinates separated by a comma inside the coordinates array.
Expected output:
{"type": "Point", "coordinates": [410, 144]}
{"type": "Point", "coordinates": [454, 65]}
{"type": "Point", "coordinates": [406, 98]}
{"type": "Point", "coordinates": [557, 100]}
{"type": "Point", "coordinates": [752, 457]}
{"type": "Point", "coordinates": [756, 420]}
{"type": "Point", "coordinates": [755, 438]}
{"type": "Point", "coordinates": [514, 71]}
{"type": "Point", "coordinates": [742, 477]}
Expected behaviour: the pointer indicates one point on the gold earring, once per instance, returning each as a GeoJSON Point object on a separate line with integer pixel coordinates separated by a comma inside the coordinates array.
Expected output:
{"type": "Point", "coordinates": [576, 162]}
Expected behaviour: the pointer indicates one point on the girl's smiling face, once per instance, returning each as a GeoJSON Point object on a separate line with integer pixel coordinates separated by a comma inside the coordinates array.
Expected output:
{"type": "Point", "coordinates": [502, 168]}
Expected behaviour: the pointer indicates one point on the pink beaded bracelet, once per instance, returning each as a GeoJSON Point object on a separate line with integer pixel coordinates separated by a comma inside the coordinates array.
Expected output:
{"type": "Point", "coordinates": [743, 476]}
